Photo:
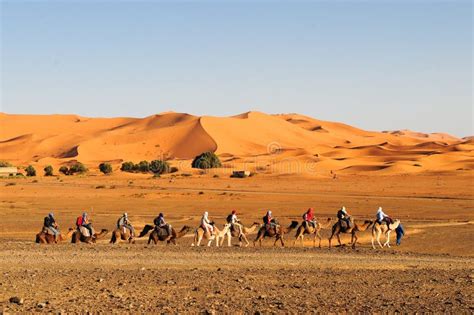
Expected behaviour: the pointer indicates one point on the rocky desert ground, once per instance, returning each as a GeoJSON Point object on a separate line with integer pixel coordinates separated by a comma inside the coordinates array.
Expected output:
{"type": "Point", "coordinates": [430, 272]}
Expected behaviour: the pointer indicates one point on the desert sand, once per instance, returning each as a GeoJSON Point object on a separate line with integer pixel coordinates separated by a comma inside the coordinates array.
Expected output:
{"type": "Point", "coordinates": [295, 160]}
{"type": "Point", "coordinates": [288, 143]}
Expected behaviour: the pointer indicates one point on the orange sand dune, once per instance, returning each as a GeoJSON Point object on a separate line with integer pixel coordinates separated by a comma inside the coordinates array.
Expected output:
{"type": "Point", "coordinates": [288, 143]}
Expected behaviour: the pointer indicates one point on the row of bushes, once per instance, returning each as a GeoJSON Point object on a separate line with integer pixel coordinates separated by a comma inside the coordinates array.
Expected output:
{"type": "Point", "coordinates": [76, 168]}
{"type": "Point", "coordinates": [155, 167]}
{"type": "Point", "coordinates": [203, 161]}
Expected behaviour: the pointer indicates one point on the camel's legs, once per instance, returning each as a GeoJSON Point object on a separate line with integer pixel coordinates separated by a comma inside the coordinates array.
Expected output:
{"type": "Point", "coordinates": [378, 238]}
{"type": "Point", "coordinates": [245, 239]}
{"type": "Point", "coordinates": [339, 239]}
{"type": "Point", "coordinates": [296, 239]}
{"type": "Point", "coordinates": [387, 242]}
{"type": "Point", "coordinates": [281, 241]}
{"type": "Point", "coordinates": [319, 237]}
{"type": "Point", "coordinates": [354, 236]}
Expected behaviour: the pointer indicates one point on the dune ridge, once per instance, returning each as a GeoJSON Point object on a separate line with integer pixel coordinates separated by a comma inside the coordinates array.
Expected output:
{"type": "Point", "coordinates": [281, 143]}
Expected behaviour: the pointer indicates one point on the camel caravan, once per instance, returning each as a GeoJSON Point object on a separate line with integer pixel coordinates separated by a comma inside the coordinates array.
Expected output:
{"type": "Point", "coordinates": [207, 231]}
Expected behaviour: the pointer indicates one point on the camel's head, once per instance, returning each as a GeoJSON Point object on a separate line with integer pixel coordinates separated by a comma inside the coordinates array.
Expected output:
{"type": "Point", "coordinates": [329, 220]}
{"type": "Point", "coordinates": [294, 224]}
{"type": "Point", "coordinates": [70, 229]}
{"type": "Point", "coordinates": [186, 229]}
{"type": "Point", "coordinates": [255, 224]}
{"type": "Point", "coordinates": [104, 231]}
{"type": "Point", "coordinates": [369, 223]}
{"type": "Point", "coordinates": [226, 226]}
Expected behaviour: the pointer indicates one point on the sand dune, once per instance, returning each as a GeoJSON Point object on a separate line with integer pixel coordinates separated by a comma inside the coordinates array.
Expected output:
{"type": "Point", "coordinates": [288, 143]}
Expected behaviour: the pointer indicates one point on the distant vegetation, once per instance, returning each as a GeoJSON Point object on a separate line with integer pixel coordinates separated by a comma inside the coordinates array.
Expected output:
{"type": "Point", "coordinates": [64, 170]}
{"type": "Point", "coordinates": [5, 164]}
{"type": "Point", "coordinates": [206, 160]}
{"type": "Point", "coordinates": [48, 171]}
{"type": "Point", "coordinates": [159, 167]}
{"type": "Point", "coordinates": [30, 170]}
{"type": "Point", "coordinates": [105, 168]}
{"type": "Point", "coordinates": [155, 167]}
{"type": "Point", "coordinates": [76, 168]}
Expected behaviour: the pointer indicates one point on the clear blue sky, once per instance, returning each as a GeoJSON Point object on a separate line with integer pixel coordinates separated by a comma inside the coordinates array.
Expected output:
{"type": "Point", "coordinates": [377, 65]}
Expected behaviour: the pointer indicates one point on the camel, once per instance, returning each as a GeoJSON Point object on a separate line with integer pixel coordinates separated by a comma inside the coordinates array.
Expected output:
{"type": "Point", "coordinates": [123, 234]}
{"type": "Point", "coordinates": [200, 233]}
{"type": "Point", "coordinates": [356, 227]}
{"type": "Point", "coordinates": [309, 229]}
{"type": "Point", "coordinates": [277, 232]}
{"type": "Point", "coordinates": [382, 228]}
{"type": "Point", "coordinates": [234, 233]}
{"type": "Point", "coordinates": [46, 238]}
{"type": "Point", "coordinates": [78, 237]}
{"type": "Point", "coordinates": [155, 236]}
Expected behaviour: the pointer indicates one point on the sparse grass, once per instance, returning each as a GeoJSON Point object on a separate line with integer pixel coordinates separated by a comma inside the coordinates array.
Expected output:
{"type": "Point", "coordinates": [35, 181]}
{"type": "Point", "coordinates": [100, 187]}
{"type": "Point", "coordinates": [215, 176]}
{"type": "Point", "coordinates": [186, 175]}
{"type": "Point", "coordinates": [10, 184]}
{"type": "Point", "coordinates": [201, 193]}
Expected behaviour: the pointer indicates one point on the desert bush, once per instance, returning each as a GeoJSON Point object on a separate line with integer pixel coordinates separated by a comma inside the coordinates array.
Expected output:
{"type": "Point", "coordinates": [159, 167]}
{"type": "Point", "coordinates": [77, 167]}
{"type": "Point", "coordinates": [144, 166]}
{"type": "Point", "coordinates": [206, 160]}
{"type": "Point", "coordinates": [64, 170]}
{"type": "Point", "coordinates": [173, 169]}
{"type": "Point", "coordinates": [30, 171]}
{"type": "Point", "coordinates": [48, 170]}
{"type": "Point", "coordinates": [105, 168]}
{"type": "Point", "coordinates": [5, 164]}
{"type": "Point", "coordinates": [127, 167]}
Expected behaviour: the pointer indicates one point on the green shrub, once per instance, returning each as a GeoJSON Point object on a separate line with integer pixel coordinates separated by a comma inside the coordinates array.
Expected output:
{"type": "Point", "coordinates": [144, 166]}
{"type": "Point", "coordinates": [159, 167]}
{"type": "Point", "coordinates": [206, 160]}
{"type": "Point", "coordinates": [30, 171]}
{"type": "Point", "coordinates": [77, 167]}
{"type": "Point", "coordinates": [64, 170]}
{"type": "Point", "coordinates": [5, 164]}
{"type": "Point", "coordinates": [105, 168]}
{"type": "Point", "coordinates": [127, 167]}
{"type": "Point", "coordinates": [48, 171]}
